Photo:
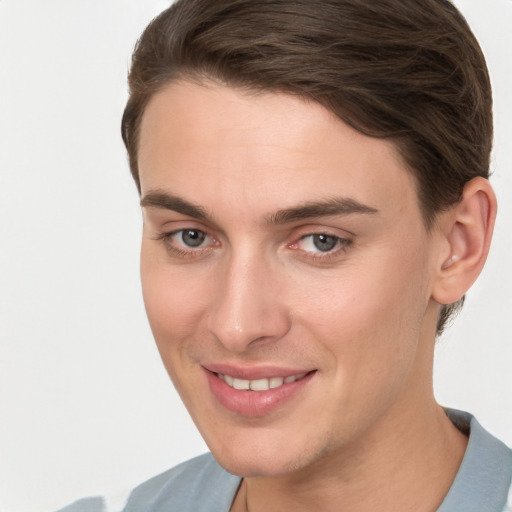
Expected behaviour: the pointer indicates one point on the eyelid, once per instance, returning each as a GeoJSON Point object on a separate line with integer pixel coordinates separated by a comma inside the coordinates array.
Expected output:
{"type": "Point", "coordinates": [182, 250]}
{"type": "Point", "coordinates": [343, 242]}
{"type": "Point", "coordinates": [313, 229]}
{"type": "Point", "coordinates": [339, 239]}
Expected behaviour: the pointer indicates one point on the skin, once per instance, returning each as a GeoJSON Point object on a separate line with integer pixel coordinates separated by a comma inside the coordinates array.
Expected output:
{"type": "Point", "coordinates": [365, 430]}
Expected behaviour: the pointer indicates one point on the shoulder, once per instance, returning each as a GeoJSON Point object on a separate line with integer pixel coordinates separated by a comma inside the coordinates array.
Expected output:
{"type": "Point", "coordinates": [91, 504]}
{"type": "Point", "coordinates": [508, 506]}
{"type": "Point", "coordinates": [198, 484]}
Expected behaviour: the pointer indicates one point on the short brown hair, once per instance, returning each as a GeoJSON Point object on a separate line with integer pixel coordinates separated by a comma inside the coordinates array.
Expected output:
{"type": "Point", "coordinates": [408, 70]}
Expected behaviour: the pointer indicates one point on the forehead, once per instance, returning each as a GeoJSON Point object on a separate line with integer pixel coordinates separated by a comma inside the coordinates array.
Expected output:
{"type": "Point", "coordinates": [212, 142]}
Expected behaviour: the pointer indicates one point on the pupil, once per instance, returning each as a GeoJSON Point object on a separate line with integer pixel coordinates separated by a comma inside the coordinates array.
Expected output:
{"type": "Point", "coordinates": [192, 237]}
{"type": "Point", "coordinates": [324, 242]}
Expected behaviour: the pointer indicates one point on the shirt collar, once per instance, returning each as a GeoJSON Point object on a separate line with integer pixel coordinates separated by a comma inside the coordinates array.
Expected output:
{"type": "Point", "coordinates": [483, 480]}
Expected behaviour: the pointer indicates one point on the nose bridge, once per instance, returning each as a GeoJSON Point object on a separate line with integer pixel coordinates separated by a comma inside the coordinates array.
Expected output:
{"type": "Point", "coordinates": [247, 306]}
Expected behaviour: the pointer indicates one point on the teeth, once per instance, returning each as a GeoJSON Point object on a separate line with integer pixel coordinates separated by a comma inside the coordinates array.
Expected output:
{"type": "Point", "coordinates": [241, 384]}
{"type": "Point", "coordinates": [259, 384]}
{"type": "Point", "coordinates": [296, 377]}
{"type": "Point", "coordinates": [275, 382]}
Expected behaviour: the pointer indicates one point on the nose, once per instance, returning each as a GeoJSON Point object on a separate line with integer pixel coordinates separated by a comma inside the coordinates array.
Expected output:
{"type": "Point", "coordinates": [248, 307]}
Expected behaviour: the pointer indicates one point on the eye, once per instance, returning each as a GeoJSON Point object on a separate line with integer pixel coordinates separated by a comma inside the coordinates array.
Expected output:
{"type": "Point", "coordinates": [191, 237]}
{"type": "Point", "coordinates": [187, 243]}
{"type": "Point", "coordinates": [321, 242]}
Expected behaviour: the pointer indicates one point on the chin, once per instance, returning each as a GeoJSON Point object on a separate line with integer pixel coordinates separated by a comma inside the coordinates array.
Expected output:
{"type": "Point", "coordinates": [271, 466]}
{"type": "Point", "coordinates": [263, 459]}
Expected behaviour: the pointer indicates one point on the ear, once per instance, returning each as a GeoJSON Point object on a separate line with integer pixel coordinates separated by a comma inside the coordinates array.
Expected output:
{"type": "Point", "coordinates": [466, 232]}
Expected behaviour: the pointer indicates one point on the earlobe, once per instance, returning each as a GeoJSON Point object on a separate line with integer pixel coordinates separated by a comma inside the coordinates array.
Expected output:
{"type": "Point", "coordinates": [467, 231]}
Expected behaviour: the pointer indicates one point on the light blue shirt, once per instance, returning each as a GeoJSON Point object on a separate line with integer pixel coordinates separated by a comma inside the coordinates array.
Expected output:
{"type": "Point", "coordinates": [482, 484]}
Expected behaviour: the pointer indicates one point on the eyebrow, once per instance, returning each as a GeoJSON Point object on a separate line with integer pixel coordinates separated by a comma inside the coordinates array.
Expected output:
{"type": "Point", "coordinates": [327, 208]}
{"type": "Point", "coordinates": [330, 207]}
{"type": "Point", "coordinates": [157, 199]}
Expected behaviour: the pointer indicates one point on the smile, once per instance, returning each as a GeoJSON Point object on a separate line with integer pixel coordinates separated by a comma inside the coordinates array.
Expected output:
{"type": "Point", "coordinates": [258, 391]}
{"type": "Point", "coordinates": [259, 384]}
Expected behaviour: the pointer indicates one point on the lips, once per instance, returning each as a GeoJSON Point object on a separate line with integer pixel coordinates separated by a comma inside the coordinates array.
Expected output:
{"type": "Point", "coordinates": [257, 391]}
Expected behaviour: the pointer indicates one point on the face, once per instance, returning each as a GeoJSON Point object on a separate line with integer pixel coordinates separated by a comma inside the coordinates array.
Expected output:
{"type": "Point", "coordinates": [286, 273]}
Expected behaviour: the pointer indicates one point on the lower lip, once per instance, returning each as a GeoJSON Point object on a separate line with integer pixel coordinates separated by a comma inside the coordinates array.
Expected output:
{"type": "Point", "coordinates": [254, 403]}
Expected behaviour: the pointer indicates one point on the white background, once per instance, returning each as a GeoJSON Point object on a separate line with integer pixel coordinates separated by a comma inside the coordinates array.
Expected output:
{"type": "Point", "coordinates": [86, 407]}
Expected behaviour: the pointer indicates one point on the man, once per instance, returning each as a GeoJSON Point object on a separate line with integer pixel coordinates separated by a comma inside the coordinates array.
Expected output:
{"type": "Point", "coordinates": [313, 178]}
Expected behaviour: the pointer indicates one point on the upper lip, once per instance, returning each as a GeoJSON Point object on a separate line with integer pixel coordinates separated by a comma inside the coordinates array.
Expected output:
{"type": "Point", "coordinates": [254, 372]}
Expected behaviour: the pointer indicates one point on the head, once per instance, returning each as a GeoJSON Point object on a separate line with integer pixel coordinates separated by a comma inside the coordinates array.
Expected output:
{"type": "Point", "coordinates": [375, 117]}
{"type": "Point", "coordinates": [410, 72]}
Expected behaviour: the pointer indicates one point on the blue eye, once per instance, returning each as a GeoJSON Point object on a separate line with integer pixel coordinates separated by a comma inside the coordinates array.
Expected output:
{"type": "Point", "coordinates": [189, 242]}
{"type": "Point", "coordinates": [325, 243]}
{"type": "Point", "coordinates": [321, 242]}
{"type": "Point", "coordinates": [192, 237]}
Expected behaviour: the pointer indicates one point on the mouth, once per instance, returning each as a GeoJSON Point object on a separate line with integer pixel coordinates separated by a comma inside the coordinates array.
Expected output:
{"type": "Point", "coordinates": [259, 384]}
{"type": "Point", "coordinates": [257, 392]}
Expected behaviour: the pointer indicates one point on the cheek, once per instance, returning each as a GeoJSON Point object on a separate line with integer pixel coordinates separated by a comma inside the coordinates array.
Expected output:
{"type": "Point", "coordinates": [173, 306]}
{"type": "Point", "coordinates": [369, 318]}
{"type": "Point", "coordinates": [371, 331]}
{"type": "Point", "coordinates": [174, 301]}
{"type": "Point", "coordinates": [366, 301]}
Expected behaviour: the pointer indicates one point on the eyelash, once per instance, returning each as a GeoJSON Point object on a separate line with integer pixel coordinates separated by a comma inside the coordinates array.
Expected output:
{"type": "Point", "coordinates": [166, 239]}
{"type": "Point", "coordinates": [341, 245]}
